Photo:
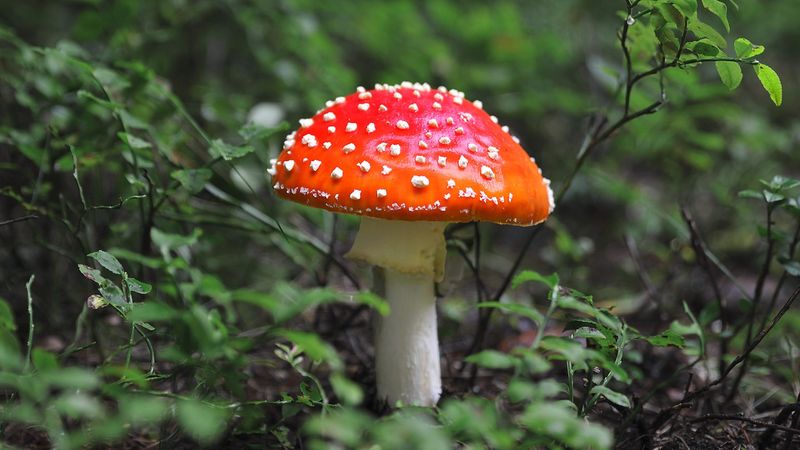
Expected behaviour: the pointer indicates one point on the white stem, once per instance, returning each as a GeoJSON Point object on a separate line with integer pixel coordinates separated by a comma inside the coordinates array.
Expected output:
{"type": "Point", "coordinates": [406, 344]}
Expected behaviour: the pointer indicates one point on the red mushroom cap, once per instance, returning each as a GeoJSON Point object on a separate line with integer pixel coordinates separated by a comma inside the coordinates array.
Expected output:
{"type": "Point", "coordinates": [409, 152]}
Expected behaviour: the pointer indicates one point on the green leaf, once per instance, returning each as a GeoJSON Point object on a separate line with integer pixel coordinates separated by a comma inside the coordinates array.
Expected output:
{"type": "Point", "coordinates": [151, 312]}
{"type": "Point", "coordinates": [703, 30]}
{"type": "Point", "coordinates": [719, 9]}
{"type": "Point", "coordinates": [373, 301]}
{"type": "Point", "coordinates": [521, 390]}
{"type": "Point", "coordinates": [313, 346]}
{"type": "Point", "coordinates": [112, 293]}
{"type": "Point", "coordinates": [193, 180]}
{"type": "Point", "coordinates": [203, 421]}
{"type": "Point", "coordinates": [134, 142]}
{"type": "Point", "coordinates": [666, 339]}
{"type": "Point", "coordinates": [78, 405]}
{"type": "Point", "coordinates": [781, 183]}
{"type": "Point", "coordinates": [686, 7]}
{"type": "Point", "coordinates": [492, 359]}
{"type": "Point", "coordinates": [108, 261]}
{"type": "Point", "coordinates": [140, 287]}
{"type": "Point", "coordinates": [771, 82]}
{"type": "Point", "coordinates": [730, 73]}
{"type": "Point", "coordinates": [169, 241]}
{"type": "Point", "coordinates": [349, 393]}
{"type": "Point", "coordinates": [71, 378]}
{"type": "Point", "coordinates": [252, 132]}
{"type": "Point", "coordinates": [515, 308]}
{"type": "Point", "coordinates": [6, 316]}
{"type": "Point", "coordinates": [140, 409]}
{"type": "Point", "coordinates": [550, 281]}
{"type": "Point", "coordinates": [792, 268]}
{"type": "Point", "coordinates": [43, 360]}
{"type": "Point", "coordinates": [703, 47]}
{"type": "Point", "coordinates": [773, 197]}
{"type": "Point", "coordinates": [589, 333]}
{"type": "Point", "coordinates": [228, 152]}
{"type": "Point", "coordinates": [746, 49]}
{"type": "Point", "coordinates": [91, 273]}
{"type": "Point", "coordinates": [612, 396]}
{"type": "Point", "coordinates": [558, 421]}
{"type": "Point", "coordinates": [749, 193]}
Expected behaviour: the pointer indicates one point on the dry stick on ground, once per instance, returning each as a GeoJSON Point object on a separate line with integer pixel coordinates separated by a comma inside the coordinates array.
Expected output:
{"type": "Point", "coordinates": [779, 287]}
{"type": "Point", "coordinates": [667, 414]}
{"type": "Point", "coordinates": [795, 422]}
{"type": "Point", "coordinates": [759, 423]}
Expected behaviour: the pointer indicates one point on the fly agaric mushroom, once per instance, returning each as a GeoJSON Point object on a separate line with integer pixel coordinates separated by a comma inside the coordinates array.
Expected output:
{"type": "Point", "coordinates": [410, 159]}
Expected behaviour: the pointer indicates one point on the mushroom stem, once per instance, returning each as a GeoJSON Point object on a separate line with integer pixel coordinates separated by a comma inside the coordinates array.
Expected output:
{"type": "Point", "coordinates": [406, 341]}
{"type": "Point", "coordinates": [406, 344]}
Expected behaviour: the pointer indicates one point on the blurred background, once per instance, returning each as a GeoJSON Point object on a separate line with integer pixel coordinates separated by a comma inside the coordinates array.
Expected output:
{"type": "Point", "coordinates": [543, 67]}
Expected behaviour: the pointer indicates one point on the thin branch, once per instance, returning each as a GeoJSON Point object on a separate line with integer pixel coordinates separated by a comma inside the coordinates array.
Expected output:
{"type": "Point", "coordinates": [756, 341]}
{"type": "Point", "coordinates": [700, 250]}
{"type": "Point", "coordinates": [18, 219]}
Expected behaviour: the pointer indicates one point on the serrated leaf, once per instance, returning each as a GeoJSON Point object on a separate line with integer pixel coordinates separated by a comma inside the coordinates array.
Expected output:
{"type": "Point", "coordinates": [140, 287]}
{"type": "Point", "coordinates": [525, 276]}
{"type": "Point", "coordinates": [729, 73]}
{"type": "Point", "coordinates": [719, 9]}
{"type": "Point", "coordinates": [193, 180]}
{"type": "Point", "coordinates": [666, 339]}
{"type": "Point", "coordinates": [589, 333]}
{"type": "Point", "coordinates": [228, 152]}
{"type": "Point", "coordinates": [492, 359]}
{"type": "Point", "coordinates": [612, 396]}
{"type": "Point", "coordinates": [746, 49]}
{"type": "Point", "coordinates": [771, 82]}
{"type": "Point", "coordinates": [108, 261]}
{"type": "Point", "coordinates": [313, 346]}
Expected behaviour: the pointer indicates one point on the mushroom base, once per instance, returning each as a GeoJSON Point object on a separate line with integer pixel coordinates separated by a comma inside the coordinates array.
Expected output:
{"type": "Point", "coordinates": [406, 341]}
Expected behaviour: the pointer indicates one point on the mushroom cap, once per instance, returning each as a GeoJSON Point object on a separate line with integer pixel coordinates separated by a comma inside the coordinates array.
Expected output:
{"type": "Point", "coordinates": [410, 152]}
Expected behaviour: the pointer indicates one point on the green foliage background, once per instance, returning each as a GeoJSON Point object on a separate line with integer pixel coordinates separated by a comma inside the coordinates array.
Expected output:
{"type": "Point", "coordinates": [128, 147]}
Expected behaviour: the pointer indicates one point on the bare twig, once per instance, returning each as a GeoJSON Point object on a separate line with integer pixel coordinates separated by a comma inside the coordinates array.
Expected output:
{"type": "Point", "coordinates": [733, 417]}
{"type": "Point", "coordinates": [30, 321]}
{"type": "Point", "coordinates": [757, 295]}
{"type": "Point", "coordinates": [668, 413]}
{"type": "Point", "coordinates": [18, 219]}
{"type": "Point", "coordinates": [700, 250]}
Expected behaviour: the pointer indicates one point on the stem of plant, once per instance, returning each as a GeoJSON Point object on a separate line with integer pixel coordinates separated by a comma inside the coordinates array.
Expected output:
{"type": "Point", "coordinates": [621, 340]}
{"type": "Point", "coordinates": [30, 322]}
